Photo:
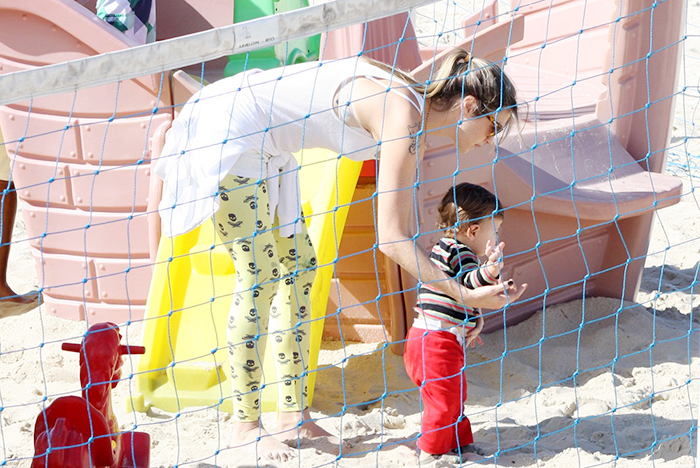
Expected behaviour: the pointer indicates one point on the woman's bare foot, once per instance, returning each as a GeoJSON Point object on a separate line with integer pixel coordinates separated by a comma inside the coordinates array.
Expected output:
{"type": "Point", "coordinates": [252, 439]}
{"type": "Point", "coordinates": [290, 429]}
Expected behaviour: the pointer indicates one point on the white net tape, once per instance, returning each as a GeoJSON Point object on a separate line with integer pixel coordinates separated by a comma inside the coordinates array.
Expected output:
{"type": "Point", "coordinates": [195, 48]}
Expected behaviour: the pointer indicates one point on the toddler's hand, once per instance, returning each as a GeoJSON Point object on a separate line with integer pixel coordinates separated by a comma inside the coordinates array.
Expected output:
{"type": "Point", "coordinates": [471, 337]}
{"type": "Point", "coordinates": [473, 341]}
{"type": "Point", "coordinates": [494, 258]}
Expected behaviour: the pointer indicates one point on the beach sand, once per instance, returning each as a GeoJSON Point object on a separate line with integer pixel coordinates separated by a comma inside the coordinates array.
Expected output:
{"type": "Point", "coordinates": [591, 396]}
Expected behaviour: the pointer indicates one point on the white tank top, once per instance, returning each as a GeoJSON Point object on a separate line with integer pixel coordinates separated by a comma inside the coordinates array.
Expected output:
{"type": "Point", "coordinates": [249, 125]}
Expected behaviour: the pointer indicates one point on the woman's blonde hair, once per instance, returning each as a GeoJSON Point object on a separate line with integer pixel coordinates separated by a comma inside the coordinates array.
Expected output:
{"type": "Point", "coordinates": [462, 75]}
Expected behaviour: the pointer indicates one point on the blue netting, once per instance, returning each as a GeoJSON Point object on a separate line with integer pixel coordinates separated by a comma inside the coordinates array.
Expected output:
{"type": "Point", "coordinates": [596, 365]}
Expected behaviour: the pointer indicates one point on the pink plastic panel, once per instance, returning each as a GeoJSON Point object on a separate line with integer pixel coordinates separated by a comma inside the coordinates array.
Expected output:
{"type": "Point", "coordinates": [66, 276]}
{"type": "Point", "coordinates": [94, 141]}
{"type": "Point", "coordinates": [70, 309]}
{"type": "Point", "coordinates": [77, 232]}
{"type": "Point", "coordinates": [644, 56]}
{"type": "Point", "coordinates": [477, 22]}
{"type": "Point", "coordinates": [21, 19]}
{"type": "Point", "coordinates": [567, 54]}
{"type": "Point", "coordinates": [379, 39]}
{"type": "Point", "coordinates": [551, 96]}
{"type": "Point", "coordinates": [41, 182]}
{"type": "Point", "coordinates": [48, 137]}
{"type": "Point", "coordinates": [558, 65]}
{"type": "Point", "coordinates": [92, 312]}
{"type": "Point", "coordinates": [489, 43]}
{"type": "Point", "coordinates": [118, 189]}
{"type": "Point", "coordinates": [551, 21]}
{"type": "Point", "coordinates": [471, 25]}
{"type": "Point", "coordinates": [120, 141]}
{"type": "Point", "coordinates": [123, 281]}
{"type": "Point", "coordinates": [94, 280]}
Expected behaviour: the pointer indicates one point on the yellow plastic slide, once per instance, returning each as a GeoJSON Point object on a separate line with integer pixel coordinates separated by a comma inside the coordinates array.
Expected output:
{"type": "Point", "coordinates": [186, 360]}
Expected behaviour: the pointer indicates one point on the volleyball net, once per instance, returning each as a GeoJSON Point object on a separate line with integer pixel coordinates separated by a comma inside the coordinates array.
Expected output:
{"type": "Point", "coordinates": [596, 364]}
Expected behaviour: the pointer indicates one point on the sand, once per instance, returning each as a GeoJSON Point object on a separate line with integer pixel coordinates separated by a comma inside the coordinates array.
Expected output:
{"type": "Point", "coordinates": [592, 396]}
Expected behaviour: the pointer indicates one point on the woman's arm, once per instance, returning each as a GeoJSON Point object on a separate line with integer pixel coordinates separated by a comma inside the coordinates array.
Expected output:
{"type": "Point", "coordinates": [392, 120]}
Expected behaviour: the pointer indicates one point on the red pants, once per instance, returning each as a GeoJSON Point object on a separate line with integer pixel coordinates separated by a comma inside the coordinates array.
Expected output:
{"type": "Point", "coordinates": [434, 362]}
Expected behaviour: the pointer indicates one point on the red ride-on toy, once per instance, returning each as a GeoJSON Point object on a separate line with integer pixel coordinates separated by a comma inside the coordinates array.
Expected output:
{"type": "Point", "coordinates": [81, 432]}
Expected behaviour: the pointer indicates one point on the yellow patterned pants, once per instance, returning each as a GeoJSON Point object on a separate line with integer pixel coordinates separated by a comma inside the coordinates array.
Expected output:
{"type": "Point", "coordinates": [271, 301]}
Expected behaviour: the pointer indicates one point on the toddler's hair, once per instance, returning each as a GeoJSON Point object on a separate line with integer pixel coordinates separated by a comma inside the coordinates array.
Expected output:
{"type": "Point", "coordinates": [467, 204]}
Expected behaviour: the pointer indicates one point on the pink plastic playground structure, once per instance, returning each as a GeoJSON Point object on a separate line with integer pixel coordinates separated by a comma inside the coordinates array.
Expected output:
{"type": "Point", "coordinates": [585, 179]}
{"type": "Point", "coordinates": [81, 164]}
{"type": "Point", "coordinates": [582, 183]}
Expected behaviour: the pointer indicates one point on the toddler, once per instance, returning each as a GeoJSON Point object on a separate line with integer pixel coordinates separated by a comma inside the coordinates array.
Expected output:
{"type": "Point", "coordinates": [471, 217]}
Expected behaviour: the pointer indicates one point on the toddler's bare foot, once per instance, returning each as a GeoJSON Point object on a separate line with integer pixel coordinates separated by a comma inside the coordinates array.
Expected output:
{"type": "Point", "coordinates": [454, 457]}
{"type": "Point", "coordinates": [250, 439]}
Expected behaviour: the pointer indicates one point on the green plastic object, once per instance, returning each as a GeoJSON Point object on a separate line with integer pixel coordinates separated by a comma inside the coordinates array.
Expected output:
{"type": "Point", "coordinates": [295, 51]}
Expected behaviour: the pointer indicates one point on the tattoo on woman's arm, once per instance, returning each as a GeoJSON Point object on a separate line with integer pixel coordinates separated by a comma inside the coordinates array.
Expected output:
{"type": "Point", "coordinates": [413, 132]}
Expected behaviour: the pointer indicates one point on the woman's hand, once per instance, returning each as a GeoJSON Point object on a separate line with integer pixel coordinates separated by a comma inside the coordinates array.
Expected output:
{"type": "Point", "coordinates": [495, 296]}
